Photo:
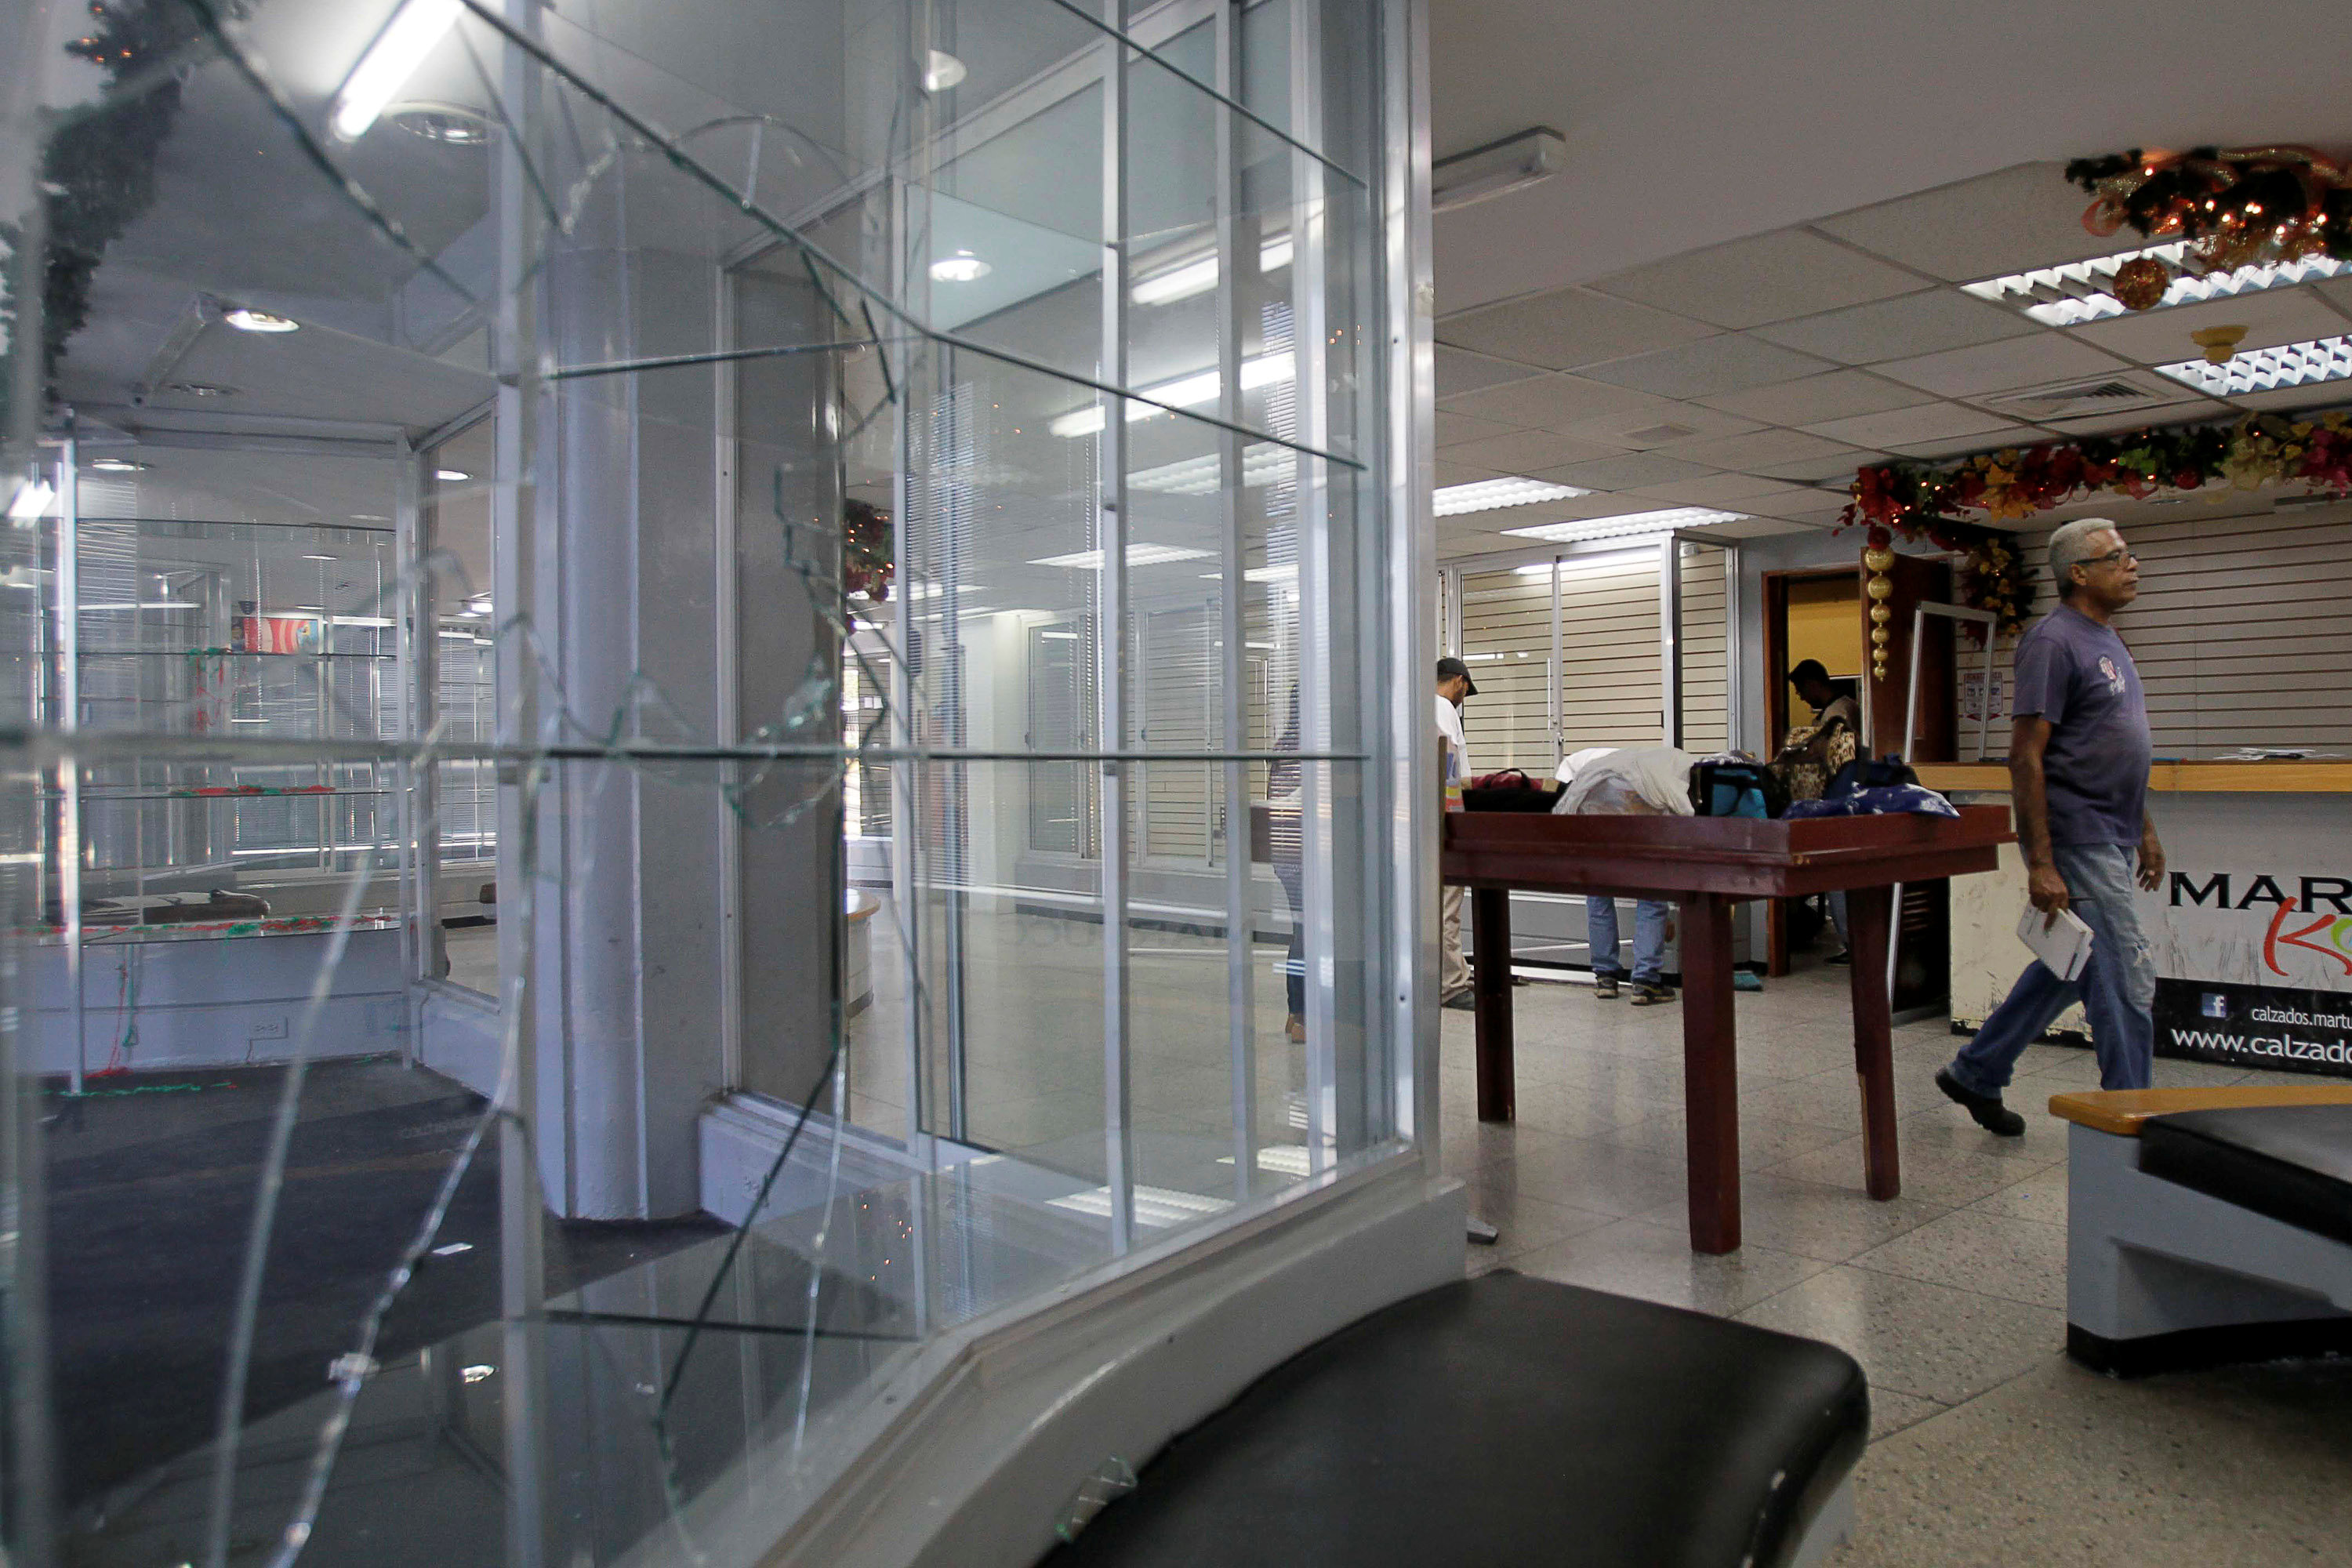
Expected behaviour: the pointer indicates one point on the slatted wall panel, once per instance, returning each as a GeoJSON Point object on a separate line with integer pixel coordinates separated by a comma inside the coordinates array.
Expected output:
{"type": "Point", "coordinates": [2239, 632]}
{"type": "Point", "coordinates": [1506, 643]}
{"type": "Point", "coordinates": [1182, 698]}
{"type": "Point", "coordinates": [1611, 681]}
{"type": "Point", "coordinates": [1706, 685]}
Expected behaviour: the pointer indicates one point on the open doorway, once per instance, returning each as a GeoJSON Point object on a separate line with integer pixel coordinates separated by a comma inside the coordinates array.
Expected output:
{"type": "Point", "coordinates": [1813, 615]}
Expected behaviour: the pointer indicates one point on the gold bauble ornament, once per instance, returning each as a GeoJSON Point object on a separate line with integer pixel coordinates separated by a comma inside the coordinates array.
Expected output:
{"type": "Point", "coordinates": [1881, 587]}
{"type": "Point", "coordinates": [1877, 559]}
{"type": "Point", "coordinates": [2141, 283]}
{"type": "Point", "coordinates": [1879, 634]}
{"type": "Point", "coordinates": [1881, 614]}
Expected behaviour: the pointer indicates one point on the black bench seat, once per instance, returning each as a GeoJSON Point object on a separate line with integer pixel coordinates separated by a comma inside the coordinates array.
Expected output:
{"type": "Point", "coordinates": [2293, 1162]}
{"type": "Point", "coordinates": [1506, 1420]}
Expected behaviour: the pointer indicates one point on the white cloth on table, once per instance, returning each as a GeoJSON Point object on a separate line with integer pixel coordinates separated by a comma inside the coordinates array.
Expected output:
{"type": "Point", "coordinates": [1639, 781]}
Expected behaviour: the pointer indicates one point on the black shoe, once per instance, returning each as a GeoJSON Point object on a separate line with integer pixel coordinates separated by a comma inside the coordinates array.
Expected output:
{"type": "Point", "coordinates": [1604, 986]}
{"type": "Point", "coordinates": [1648, 996]}
{"type": "Point", "coordinates": [1843, 957]}
{"type": "Point", "coordinates": [1987, 1108]}
{"type": "Point", "coordinates": [1461, 1001]}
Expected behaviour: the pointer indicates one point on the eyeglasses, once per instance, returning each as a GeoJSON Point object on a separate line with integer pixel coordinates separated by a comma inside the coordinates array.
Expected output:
{"type": "Point", "coordinates": [2109, 559]}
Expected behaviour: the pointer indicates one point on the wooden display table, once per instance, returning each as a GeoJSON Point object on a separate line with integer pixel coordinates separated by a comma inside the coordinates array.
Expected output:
{"type": "Point", "coordinates": [1706, 865]}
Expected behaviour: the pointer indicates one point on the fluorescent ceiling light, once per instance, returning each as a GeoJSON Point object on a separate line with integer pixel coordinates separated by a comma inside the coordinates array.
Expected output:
{"type": "Point", "coordinates": [2076, 291]}
{"type": "Point", "coordinates": [451, 476]}
{"type": "Point", "coordinates": [32, 498]}
{"type": "Point", "coordinates": [147, 604]}
{"type": "Point", "coordinates": [1285, 573]}
{"type": "Point", "coordinates": [1198, 275]}
{"type": "Point", "coordinates": [389, 62]}
{"type": "Point", "coordinates": [1185, 392]}
{"type": "Point", "coordinates": [318, 558]}
{"type": "Point", "coordinates": [1496, 169]}
{"type": "Point", "coordinates": [119, 466]}
{"type": "Point", "coordinates": [963, 266]}
{"type": "Point", "coordinates": [942, 71]}
{"type": "Point", "coordinates": [1263, 463]}
{"type": "Point", "coordinates": [920, 591]}
{"type": "Point", "coordinates": [1488, 495]}
{"type": "Point", "coordinates": [2267, 370]}
{"type": "Point", "coordinates": [1136, 555]}
{"type": "Point", "coordinates": [1630, 522]}
{"type": "Point", "coordinates": [249, 321]}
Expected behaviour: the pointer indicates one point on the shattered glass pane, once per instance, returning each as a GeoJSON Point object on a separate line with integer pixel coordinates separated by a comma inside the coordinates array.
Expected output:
{"type": "Point", "coordinates": [691, 702]}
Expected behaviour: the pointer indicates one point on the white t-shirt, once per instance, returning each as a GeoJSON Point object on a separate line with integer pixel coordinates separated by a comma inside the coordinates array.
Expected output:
{"type": "Point", "coordinates": [1449, 724]}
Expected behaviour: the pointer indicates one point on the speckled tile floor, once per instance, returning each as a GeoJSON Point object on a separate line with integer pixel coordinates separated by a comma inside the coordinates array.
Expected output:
{"type": "Point", "coordinates": [1989, 1447]}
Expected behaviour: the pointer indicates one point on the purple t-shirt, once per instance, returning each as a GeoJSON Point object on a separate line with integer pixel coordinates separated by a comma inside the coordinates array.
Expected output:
{"type": "Point", "coordinates": [2078, 675]}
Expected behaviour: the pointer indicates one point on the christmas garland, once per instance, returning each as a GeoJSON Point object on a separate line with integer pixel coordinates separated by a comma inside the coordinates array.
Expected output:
{"type": "Point", "coordinates": [1919, 500]}
{"type": "Point", "coordinates": [2237, 208]}
{"type": "Point", "coordinates": [867, 567]}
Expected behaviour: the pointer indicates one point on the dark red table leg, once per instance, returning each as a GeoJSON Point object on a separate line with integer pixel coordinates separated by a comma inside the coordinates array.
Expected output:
{"type": "Point", "coordinates": [1710, 1093]}
{"type": "Point", "coordinates": [1490, 909]}
{"type": "Point", "coordinates": [1867, 913]}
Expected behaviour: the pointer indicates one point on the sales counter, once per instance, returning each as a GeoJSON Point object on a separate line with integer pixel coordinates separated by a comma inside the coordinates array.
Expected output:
{"type": "Point", "coordinates": [2252, 929]}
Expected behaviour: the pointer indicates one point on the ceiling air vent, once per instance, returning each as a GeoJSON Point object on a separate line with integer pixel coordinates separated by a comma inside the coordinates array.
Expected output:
{"type": "Point", "coordinates": [2101, 396]}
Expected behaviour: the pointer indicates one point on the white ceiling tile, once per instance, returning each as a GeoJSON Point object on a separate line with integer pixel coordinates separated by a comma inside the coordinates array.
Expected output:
{"type": "Point", "coordinates": [1459, 372]}
{"type": "Point", "coordinates": [1454, 429]}
{"type": "Point", "coordinates": [2183, 413]}
{"type": "Point", "coordinates": [1718, 364]}
{"type": "Point", "coordinates": [1757, 527]}
{"type": "Point", "coordinates": [2273, 316]}
{"type": "Point", "coordinates": [1626, 472]}
{"type": "Point", "coordinates": [1524, 451]}
{"type": "Point", "coordinates": [1839, 466]}
{"type": "Point", "coordinates": [1768, 277]}
{"type": "Point", "coordinates": [2042, 358]}
{"type": "Point", "coordinates": [1663, 426]}
{"type": "Point", "coordinates": [1980, 441]}
{"type": "Point", "coordinates": [1896, 329]}
{"type": "Point", "coordinates": [1751, 452]}
{"type": "Point", "coordinates": [2337, 291]}
{"type": "Point", "coordinates": [1835, 396]}
{"type": "Point", "coordinates": [2020, 219]}
{"type": "Point", "coordinates": [1928, 422]}
{"type": "Point", "coordinates": [1555, 403]}
{"type": "Point", "coordinates": [2327, 395]}
{"type": "Point", "coordinates": [1446, 473]}
{"type": "Point", "coordinates": [1567, 328]}
{"type": "Point", "coordinates": [1724, 489]}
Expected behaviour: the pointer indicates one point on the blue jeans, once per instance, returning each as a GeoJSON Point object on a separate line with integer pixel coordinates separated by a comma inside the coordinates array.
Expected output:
{"type": "Point", "coordinates": [1649, 939]}
{"type": "Point", "coordinates": [2116, 988]}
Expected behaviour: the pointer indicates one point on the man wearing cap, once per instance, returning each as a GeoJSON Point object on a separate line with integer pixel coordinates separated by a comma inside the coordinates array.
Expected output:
{"type": "Point", "coordinates": [1454, 686]}
{"type": "Point", "coordinates": [2078, 760]}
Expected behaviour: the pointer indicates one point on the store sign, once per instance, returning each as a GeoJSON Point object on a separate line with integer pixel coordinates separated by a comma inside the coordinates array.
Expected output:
{"type": "Point", "coordinates": [2268, 1026]}
{"type": "Point", "coordinates": [2257, 967]}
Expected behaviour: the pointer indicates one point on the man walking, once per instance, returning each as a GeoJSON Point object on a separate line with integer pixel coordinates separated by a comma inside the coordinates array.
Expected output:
{"type": "Point", "coordinates": [2078, 762]}
{"type": "Point", "coordinates": [1453, 688]}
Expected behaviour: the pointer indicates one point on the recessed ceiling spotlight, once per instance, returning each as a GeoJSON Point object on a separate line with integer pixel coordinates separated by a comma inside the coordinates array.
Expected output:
{"type": "Point", "coordinates": [1628, 523]}
{"type": "Point", "coordinates": [2268, 370]}
{"type": "Point", "coordinates": [963, 266]}
{"type": "Point", "coordinates": [451, 124]}
{"type": "Point", "coordinates": [451, 476]}
{"type": "Point", "coordinates": [942, 71]}
{"type": "Point", "coordinates": [1487, 495]}
{"type": "Point", "coordinates": [246, 320]}
{"type": "Point", "coordinates": [119, 466]}
{"type": "Point", "coordinates": [199, 389]}
{"type": "Point", "coordinates": [2076, 291]}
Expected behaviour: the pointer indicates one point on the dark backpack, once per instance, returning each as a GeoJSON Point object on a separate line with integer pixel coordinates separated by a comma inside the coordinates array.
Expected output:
{"type": "Point", "coordinates": [1870, 772]}
{"type": "Point", "coordinates": [1737, 789]}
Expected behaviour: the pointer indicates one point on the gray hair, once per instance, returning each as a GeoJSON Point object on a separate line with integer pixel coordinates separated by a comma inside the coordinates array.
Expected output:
{"type": "Point", "coordinates": [2071, 546]}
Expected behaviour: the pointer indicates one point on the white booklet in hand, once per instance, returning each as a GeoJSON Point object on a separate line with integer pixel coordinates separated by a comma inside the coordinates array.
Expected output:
{"type": "Point", "coordinates": [2061, 942]}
